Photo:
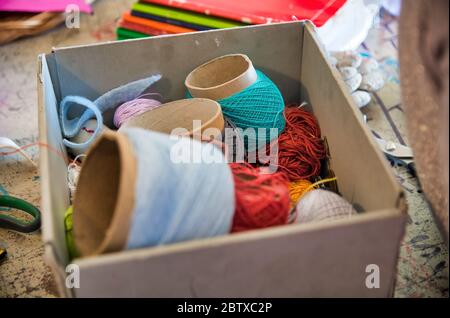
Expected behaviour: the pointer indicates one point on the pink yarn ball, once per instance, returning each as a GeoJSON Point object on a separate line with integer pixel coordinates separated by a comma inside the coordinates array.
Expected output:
{"type": "Point", "coordinates": [134, 108]}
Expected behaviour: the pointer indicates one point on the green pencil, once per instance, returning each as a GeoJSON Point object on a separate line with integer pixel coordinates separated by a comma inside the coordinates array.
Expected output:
{"type": "Point", "coordinates": [124, 34]}
{"type": "Point", "coordinates": [186, 16]}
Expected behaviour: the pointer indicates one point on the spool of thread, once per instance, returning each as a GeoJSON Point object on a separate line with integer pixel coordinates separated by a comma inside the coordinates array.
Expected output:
{"type": "Point", "coordinates": [300, 145]}
{"type": "Point", "coordinates": [133, 193]}
{"type": "Point", "coordinates": [247, 96]}
{"type": "Point", "coordinates": [181, 115]}
{"type": "Point", "coordinates": [323, 206]}
{"type": "Point", "coordinates": [262, 200]}
{"type": "Point", "coordinates": [85, 136]}
{"type": "Point", "coordinates": [134, 108]}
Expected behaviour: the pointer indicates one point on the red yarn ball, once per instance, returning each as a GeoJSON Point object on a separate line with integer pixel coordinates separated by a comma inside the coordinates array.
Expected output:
{"type": "Point", "coordinates": [300, 146]}
{"type": "Point", "coordinates": [262, 200]}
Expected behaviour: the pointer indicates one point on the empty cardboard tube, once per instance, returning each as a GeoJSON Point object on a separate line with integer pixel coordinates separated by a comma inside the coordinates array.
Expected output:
{"type": "Point", "coordinates": [221, 77]}
{"type": "Point", "coordinates": [109, 173]}
{"type": "Point", "coordinates": [181, 114]}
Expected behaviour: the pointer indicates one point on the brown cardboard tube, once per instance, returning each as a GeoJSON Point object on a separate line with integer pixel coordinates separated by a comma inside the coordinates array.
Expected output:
{"type": "Point", "coordinates": [221, 77]}
{"type": "Point", "coordinates": [104, 199]}
{"type": "Point", "coordinates": [181, 114]}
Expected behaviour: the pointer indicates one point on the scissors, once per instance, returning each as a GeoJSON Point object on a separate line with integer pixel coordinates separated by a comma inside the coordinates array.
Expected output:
{"type": "Point", "coordinates": [12, 223]}
{"type": "Point", "coordinates": [397, 154]}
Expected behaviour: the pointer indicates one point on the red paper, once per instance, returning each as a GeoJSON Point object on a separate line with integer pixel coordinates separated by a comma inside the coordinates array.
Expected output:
{"type": "Point", "coordinates": [42, 5]}
{"type": "Point", "coordinates": [261, 11]}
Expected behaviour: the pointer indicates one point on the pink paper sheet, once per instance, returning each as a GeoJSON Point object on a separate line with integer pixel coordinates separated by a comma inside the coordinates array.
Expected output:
{"type": "Point", "coordinates": [42, 5]}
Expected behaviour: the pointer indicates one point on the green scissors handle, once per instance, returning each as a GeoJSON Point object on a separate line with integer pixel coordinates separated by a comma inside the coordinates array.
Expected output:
{"type": "Point", "coordinates": [12, 223]}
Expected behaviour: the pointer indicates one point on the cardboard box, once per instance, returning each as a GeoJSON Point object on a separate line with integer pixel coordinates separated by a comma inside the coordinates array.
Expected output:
{"type": "Point", "coordinates": [300, 260]}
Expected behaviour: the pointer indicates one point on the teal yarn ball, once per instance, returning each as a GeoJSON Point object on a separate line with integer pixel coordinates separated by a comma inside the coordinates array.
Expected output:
{"type": "Point", "coordinates": [260, 105]}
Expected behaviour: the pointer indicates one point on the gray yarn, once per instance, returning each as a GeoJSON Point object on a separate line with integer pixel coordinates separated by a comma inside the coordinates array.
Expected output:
{"type": "Point", "coordinates": [178, 201]}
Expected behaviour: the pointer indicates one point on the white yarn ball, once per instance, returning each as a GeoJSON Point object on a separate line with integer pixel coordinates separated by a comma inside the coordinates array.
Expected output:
{"type": "Point", "coordinates": [323, 206]}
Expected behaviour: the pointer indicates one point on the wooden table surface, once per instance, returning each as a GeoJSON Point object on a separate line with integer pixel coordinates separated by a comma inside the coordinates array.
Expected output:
{"type": "Point", "coordinates": [423, 261]}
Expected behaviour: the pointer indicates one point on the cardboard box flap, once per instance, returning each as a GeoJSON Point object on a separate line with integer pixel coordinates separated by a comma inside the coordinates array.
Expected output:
{"type": "Point", "coordinates": [364, 177]}
{"type": "Point", "coordinates": [275, 262]}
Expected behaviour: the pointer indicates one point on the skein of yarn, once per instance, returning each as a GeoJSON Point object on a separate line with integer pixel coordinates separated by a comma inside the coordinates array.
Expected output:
{"type": "Point", "coordinates": [259, 106]}
{"type": "Point", "coordinates": [134, 108]}
{"type": "Point", "coordinates": [323, 206]}
{"type": "Point", "coordinates": [247, 96]}
{"type": "Point", "coordinates": [133, 192]}
{"type": "Point", "coordinates": [262, 200]}
{"type": "Point", "coordinates": [300, 145]}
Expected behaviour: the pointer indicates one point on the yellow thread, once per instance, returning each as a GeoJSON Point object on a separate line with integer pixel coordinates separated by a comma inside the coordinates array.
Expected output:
{"type": "Point", "coordinates": [297, 189]}
{"type": "Point", "coordinates": [312, 186]}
